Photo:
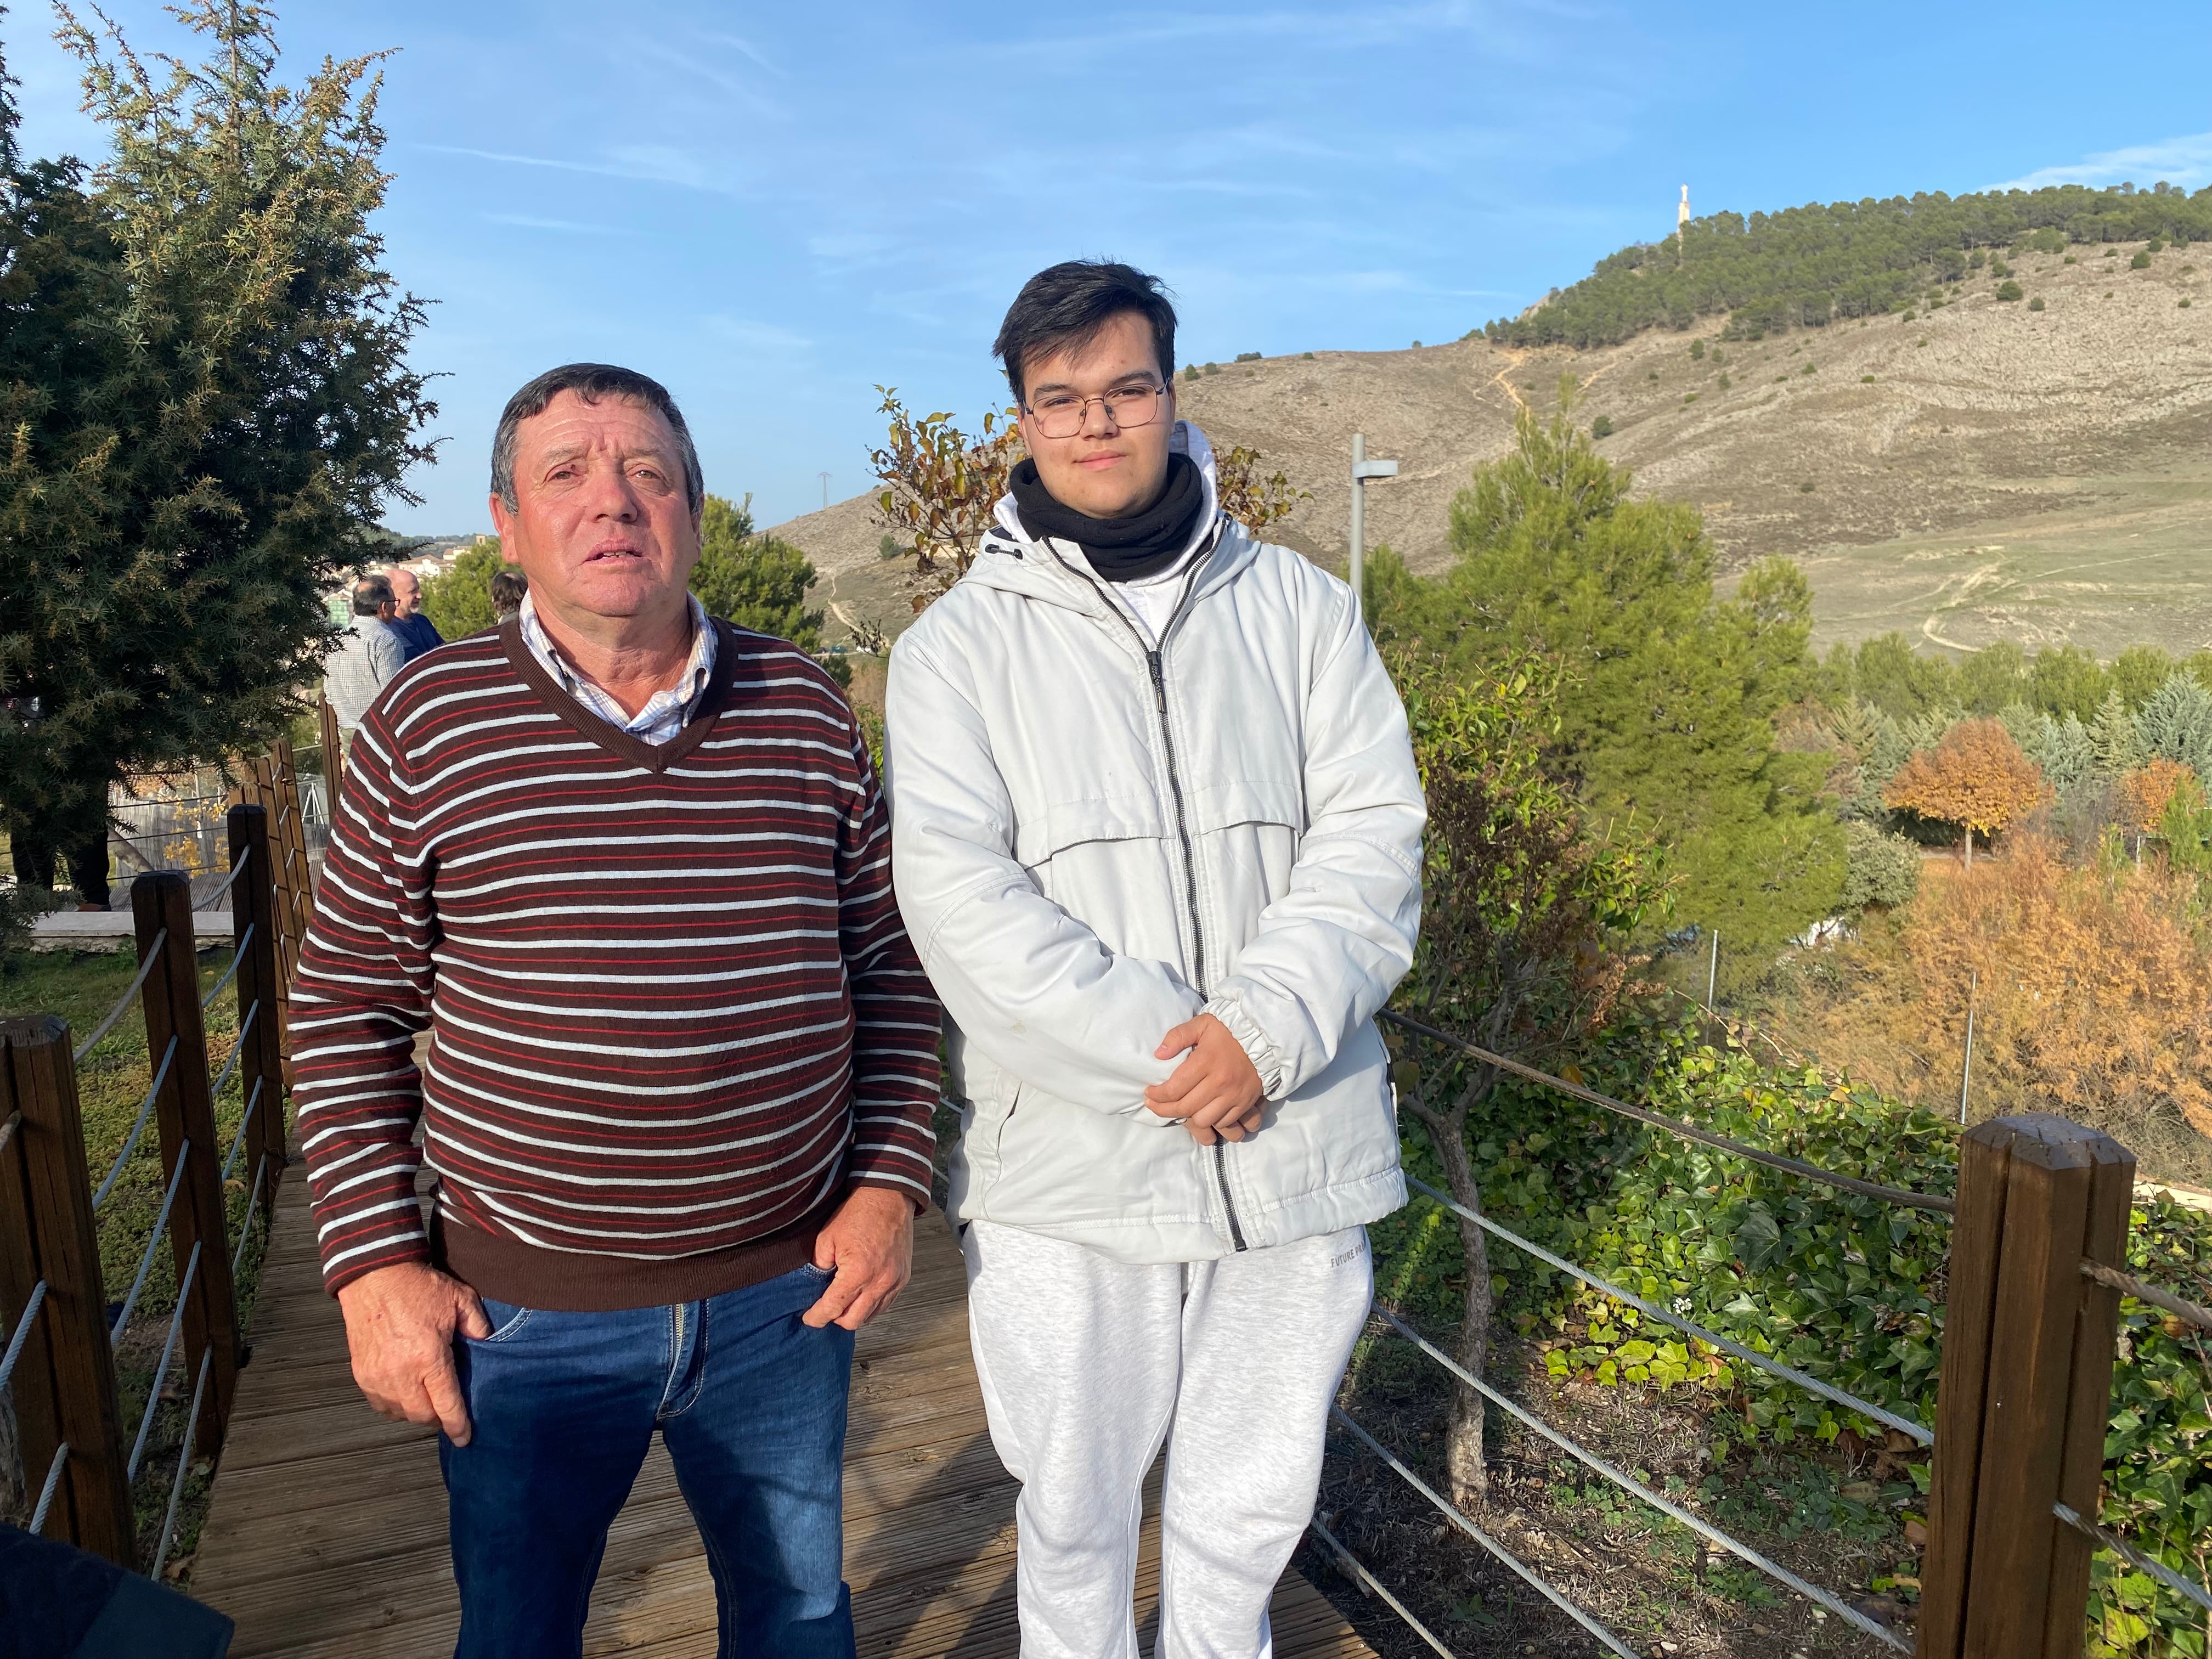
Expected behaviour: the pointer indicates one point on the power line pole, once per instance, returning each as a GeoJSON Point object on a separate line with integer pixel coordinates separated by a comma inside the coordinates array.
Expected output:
{"type": "Point", "coordinates": [825, 492]}
{"type": "Point", "coordinates": [1362, 471]}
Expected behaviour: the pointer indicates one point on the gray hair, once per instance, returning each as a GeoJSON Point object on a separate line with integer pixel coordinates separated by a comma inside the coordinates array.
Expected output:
{"type": "Point", "coordinates": [591, 382]}
{"type": "Point", "coordinates": [371, 594]}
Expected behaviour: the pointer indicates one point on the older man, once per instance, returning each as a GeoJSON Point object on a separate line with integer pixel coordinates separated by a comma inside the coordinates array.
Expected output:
{"type": "Point", "coordinates": [372, 653]}
{"type": "Point", "coordinates": [416, 630]}
{"type": "Point", "coordinates": [629, 867]}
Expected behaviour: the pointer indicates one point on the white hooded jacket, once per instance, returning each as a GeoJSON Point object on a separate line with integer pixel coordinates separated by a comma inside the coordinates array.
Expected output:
{"type": "Point", "coordinates": [1093, 840]}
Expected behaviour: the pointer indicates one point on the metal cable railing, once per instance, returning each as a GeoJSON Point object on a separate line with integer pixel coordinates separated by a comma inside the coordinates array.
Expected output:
{"type": "Point", "coordinates": [253, 1203]}
{"type": "Point", "coordinates": [1355, 1568]}
{"type": "Point", "coordinates": [1704, 1530]}
{"type": "Point", "coordinates": [237, 1047]}
{"type": "Point", "coordinates": [208, 903]}
{"type": "Point", "coordinates": [137, 1127]}
{"type": "Point", "coordinates": [1451, 1512]}
{"type": "Point", "coordinates": [161, 1366]}
{"type": "Point", "coordinates": [145, 967]}
{"type": "Point", "coordinates": [146, 1262]}
{"type": "Point", "coordinates": [237, 956]}
{"type": "Point", "coordinates": [238, 1141]}
{"type": "Point", "coordinates": [2129, 1285]}
{"type": "Point", "coordinates": [46, 1492]}
{"type": "Point", "coordinates": [184, 1462]}
{"type": "Point", "coordinates": [2135, 1558]}
{"type": "Point", "coordinates": [1666, 1316]}
{"type": "Point", "coordinates": [23, 1324]}
{"type": "Point", "coordinates": [1688, 1131]}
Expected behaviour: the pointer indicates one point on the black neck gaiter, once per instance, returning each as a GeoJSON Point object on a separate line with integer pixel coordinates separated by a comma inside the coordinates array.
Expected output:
{"type": "Point", "coordinates": [1124, 549]}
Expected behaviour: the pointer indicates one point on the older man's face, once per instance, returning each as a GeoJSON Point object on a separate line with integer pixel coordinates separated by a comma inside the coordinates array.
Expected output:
{"type": "Point", "coordinates": [600, 525]}
{"type": "Point", "coordinates": [406, 593]}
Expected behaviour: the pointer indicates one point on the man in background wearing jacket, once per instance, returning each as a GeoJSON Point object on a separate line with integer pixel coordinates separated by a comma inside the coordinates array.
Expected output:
{"type": "Point", "coordinates": [1156, 832]}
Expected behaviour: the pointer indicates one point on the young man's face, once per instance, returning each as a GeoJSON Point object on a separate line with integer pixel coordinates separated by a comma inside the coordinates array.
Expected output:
{"type": "Point", "coordinates": [1104, 471]}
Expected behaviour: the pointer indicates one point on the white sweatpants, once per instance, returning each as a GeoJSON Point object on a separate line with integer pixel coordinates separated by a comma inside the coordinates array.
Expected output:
{"type": "Point", "coordinates": [1087, 1365]}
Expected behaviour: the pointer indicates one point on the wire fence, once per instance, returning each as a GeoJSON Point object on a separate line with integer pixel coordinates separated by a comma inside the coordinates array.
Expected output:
{"type": "Point", "coordinates": [1953, 1568]}
{"type": "Point", "coordinates": [65, 1339]}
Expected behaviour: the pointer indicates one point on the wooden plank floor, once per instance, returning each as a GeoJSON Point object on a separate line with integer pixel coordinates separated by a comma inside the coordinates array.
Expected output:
{"type": "Point", "coordinates": [327, 1534]}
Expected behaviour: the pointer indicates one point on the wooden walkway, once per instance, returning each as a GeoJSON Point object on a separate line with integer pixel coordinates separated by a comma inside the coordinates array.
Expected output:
{"type": "Point", "coordinates": [327, 1536]}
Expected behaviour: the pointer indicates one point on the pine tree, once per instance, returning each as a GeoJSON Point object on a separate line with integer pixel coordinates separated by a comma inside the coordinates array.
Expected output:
{"type": "Point", "coordinates": [203, 367]}
{"type": "Point", "coordinates": [2175, 724]}
{"type": "Point", "coordinates": [2114, 748]}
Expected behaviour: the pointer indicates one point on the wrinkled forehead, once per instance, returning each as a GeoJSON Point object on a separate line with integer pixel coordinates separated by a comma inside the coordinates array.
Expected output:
{"type": "Point", "coordinates": [611, 426]}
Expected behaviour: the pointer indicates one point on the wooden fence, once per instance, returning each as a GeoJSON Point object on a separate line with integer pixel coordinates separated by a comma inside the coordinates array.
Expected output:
{"type": "Point", "coordinates": [80, 1457]}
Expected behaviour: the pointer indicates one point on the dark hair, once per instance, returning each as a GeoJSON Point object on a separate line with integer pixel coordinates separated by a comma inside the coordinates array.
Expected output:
{"type": "Point", "coordinates": [1069, 305]}
{"type": "Point", "coordinates": [371, 594]}
{"type": "Point", "coordinates": [591, 382]}
{"type": "Point", "coordinates": [508, 587]}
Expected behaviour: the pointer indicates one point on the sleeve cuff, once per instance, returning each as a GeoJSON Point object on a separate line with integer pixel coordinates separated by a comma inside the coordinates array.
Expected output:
{"type": "Point", "coordinates": [1259, 1047]}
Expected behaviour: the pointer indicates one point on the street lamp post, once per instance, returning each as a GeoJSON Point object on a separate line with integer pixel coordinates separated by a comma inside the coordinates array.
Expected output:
{"type": "Point", "coordinates": [1362, 471]}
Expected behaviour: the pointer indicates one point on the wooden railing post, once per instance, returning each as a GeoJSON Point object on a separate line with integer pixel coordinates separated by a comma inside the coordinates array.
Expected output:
{"type": "Point", "coordinates": [2025, 1391]}
{"type": "Point", "coordinates": [333, 752]}
{"type": "Point", "coordinates": [254, 907]}
{"type": "Point", "coordinates": [186, 1114]}
{"type": "Point", "coordinates": [64, 1381]}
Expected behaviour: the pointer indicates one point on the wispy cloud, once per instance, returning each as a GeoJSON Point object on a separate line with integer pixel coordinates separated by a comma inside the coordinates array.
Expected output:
{"type": "Point", "coordinates": [569, 226]}
{"type": "Point", "coordinates": [656, 164]}
{"type": "Point", "coordinates": [2185, 161]}
{"type": "Point", "coordinates": [744, 46]}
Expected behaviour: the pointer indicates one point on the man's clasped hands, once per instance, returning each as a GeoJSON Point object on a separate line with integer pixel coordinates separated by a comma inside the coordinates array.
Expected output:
{"type": "Point", "coordinates": [1216, 1091]}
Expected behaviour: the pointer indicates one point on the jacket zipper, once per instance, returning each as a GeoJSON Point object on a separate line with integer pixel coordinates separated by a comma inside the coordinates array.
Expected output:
{"type": "Point", "coordinates": [1153, 665]}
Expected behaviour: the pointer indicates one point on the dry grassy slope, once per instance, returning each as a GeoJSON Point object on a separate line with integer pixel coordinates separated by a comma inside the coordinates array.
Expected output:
{"type": "Point", "coordinates": [2044, 475]}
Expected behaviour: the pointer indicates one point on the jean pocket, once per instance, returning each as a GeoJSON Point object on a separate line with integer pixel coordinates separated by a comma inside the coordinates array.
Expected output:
{"type": "Point", "coordinates": [507, 1320]}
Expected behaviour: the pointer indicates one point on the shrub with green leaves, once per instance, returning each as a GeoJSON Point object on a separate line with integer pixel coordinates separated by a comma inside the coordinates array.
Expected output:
{"type": "Point", "coordinates": [2141, 262]}
{"type": "Point", "coordinates": [1881, 869]}
{"type": "Point", "coordinates": [2011, 290]}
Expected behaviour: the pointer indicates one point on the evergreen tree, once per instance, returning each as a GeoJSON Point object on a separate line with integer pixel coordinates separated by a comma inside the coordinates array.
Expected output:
{"type": "Point", "coordinates": [2138, 672]}
{"type": "Point", "coordinates": [2175, 724]}
{"type": "Point", "coordinates": [1993, 679]}
{"type": "Point", "coordinates": [1670, 713]}
{"type": "Point", "coordinates": [2063, 749]}
{"type": "Point", "coordinates": [751, 578]}
{"type": "Point", "coordinates": [459, 603]}
{"type": "Point", "coordinates": [203, 369]}
{"type": "Point", "coordinates": [2067, 680]}
{"type": "Point", "coordinates": [2114, 748]}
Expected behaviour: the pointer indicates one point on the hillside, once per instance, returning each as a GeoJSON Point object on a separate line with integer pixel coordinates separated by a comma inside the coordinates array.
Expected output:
{"type": "Point", "coordinates": [2042, 476]}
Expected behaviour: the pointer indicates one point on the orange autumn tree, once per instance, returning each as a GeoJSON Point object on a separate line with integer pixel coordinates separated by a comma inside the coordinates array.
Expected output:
{"type": "Point", "coordinates": [2147, 792]}
{"type": "Point", "coordinates": [1976, 778]}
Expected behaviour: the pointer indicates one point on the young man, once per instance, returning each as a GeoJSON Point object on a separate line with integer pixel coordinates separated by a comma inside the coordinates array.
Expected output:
{"type": "Point", "coordinates": [1157, 834]}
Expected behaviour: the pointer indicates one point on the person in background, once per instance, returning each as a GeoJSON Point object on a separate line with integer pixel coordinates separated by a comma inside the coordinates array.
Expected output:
{"type": "Point", "coordinates": [1157, 829]}
{"type": "Point", "coordinates": [418, 632]}
{"type": "Point", "coordinates": [373, 651]}
{"type": "Point", "coordinates": [508, 587]}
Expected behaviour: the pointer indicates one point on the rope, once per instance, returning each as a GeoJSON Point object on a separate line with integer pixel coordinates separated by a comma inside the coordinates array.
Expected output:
{"type": "Point", "coordinates": [238, 1140]}
{"type": "Point", "coordinates": [2134, 1557]}
{"type": "Point", "coordinates": [1450, 1512]}
{"type": "Point", "coordinates": [146, 1262]}
{"type": "Point", "coordinates": [145, 1110]}
{"type": "Point", "coordinates": [237, 1047]}
{"type": "Point", "coordinates": [184, 1462]}
{"type": "Point", "coordinates": [244, 858]}
{"type": "Point", "coordinates": [1666, 1316]}
{"type": "Point", "coordinates": [8, 1129]}
{"type": "Point", "coordinates": [237, 956]}
{"type": "Point", "coordinates": [1688, 1131]}
{"type": "Point", "coordinates": [46, 1492]}
{"type": "Point", "coordinates": [2127, 1283]}
{"type": "Point", "coordinates": [168, 1347]}
{"type": "Point", "coordinates": [1350, 1565]}
{"type": "Point", "coordinates": [22, 1332]}
{"type": "Point", "coordinates": [1849, 1614]}
{"type": "Point", "coordinates": [145, 967]}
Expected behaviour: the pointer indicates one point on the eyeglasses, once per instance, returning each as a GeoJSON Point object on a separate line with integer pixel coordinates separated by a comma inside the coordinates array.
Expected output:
{"type": "Point", "coordinates": [1061, 413]}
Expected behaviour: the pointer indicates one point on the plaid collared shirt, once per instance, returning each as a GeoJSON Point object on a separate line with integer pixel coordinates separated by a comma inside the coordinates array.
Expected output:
{"type": "Point", "coordinates": [665, 714]}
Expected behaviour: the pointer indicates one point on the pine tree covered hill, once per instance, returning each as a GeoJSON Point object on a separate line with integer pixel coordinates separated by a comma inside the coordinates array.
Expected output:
{"type": "Point", "coordinates": [1807, 266]}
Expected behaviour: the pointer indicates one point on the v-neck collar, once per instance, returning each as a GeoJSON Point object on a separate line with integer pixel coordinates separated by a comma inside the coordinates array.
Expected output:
{"type": "Point", "coordinates": [652, 756]}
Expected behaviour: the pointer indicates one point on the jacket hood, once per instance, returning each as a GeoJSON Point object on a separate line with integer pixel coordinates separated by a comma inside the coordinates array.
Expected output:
{"type": "Point", "coordinates": [1047, 567]}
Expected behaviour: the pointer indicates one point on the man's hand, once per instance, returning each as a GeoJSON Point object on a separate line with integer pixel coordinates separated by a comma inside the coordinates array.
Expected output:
{"type": "Point", "coordinates": [870, 1245]}
{"type": "Point", "coordinates": [399, 1325]}
{"type": "Point", "coordinates": [1215, 1091]}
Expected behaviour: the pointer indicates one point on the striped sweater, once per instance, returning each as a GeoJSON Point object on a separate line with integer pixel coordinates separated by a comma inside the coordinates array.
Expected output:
{"type": "Point", "coordinates": [673, 1013]}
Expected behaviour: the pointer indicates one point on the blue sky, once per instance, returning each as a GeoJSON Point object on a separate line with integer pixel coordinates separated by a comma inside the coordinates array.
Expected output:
{"type": "Point", "coordinates": [775, 207]}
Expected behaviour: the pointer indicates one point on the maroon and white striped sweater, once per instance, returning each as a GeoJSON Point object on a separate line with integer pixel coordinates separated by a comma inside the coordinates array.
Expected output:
{"type": "Point", "coordinates": [673, 1013]}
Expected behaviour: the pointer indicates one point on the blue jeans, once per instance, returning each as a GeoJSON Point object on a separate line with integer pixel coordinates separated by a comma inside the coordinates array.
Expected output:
{"type": "Point", "coordinates": [563, 1407]}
